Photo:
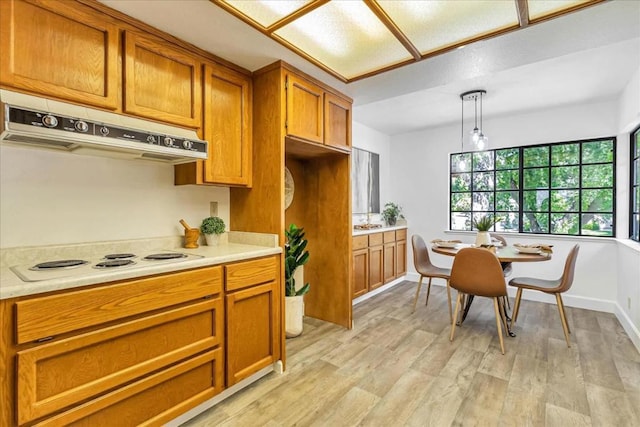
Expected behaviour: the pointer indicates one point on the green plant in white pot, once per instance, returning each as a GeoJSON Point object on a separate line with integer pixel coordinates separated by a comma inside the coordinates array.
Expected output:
{"type": "Point", "coordinates": [484, 224]}
{"type": "Point", "coordinates": [212, 227]}
{"type": "Point", "coordinates": [390, 213]}
{"type": "Point", "coordinates": [295, 257]}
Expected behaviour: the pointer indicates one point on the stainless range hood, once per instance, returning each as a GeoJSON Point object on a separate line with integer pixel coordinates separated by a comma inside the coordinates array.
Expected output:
{"type": "Point", "coordinates": [44, 123]}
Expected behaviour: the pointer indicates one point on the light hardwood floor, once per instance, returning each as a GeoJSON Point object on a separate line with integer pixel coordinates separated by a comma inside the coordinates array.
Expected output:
{"type": "Point", "coordinates": [395, 368]}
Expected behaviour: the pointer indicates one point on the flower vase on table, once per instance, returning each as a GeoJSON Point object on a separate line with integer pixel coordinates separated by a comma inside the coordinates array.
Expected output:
{"type": "Point", "coordinates": [483, 238]}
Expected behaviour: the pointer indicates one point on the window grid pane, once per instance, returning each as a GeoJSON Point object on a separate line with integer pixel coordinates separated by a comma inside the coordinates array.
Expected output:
{"type": "Point", "coordinates": [634, 193]}
{"type": "Point", "coordinates": [560, 188]}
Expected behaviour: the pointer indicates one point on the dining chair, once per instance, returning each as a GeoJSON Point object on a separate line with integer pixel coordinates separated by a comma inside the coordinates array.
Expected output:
{"type": "Point", "coordinates": [556, 287]}
{"type": "Point", "coordinates": [477, 271]}
{"type": "Point", "coordinates": [425, 268]}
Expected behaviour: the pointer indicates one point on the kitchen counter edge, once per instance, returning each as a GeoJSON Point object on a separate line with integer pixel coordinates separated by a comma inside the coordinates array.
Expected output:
{"type": "Point", "coordinates": [378, 230]}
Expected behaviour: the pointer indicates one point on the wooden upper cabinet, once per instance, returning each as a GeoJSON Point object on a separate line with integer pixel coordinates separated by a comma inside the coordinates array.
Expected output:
{"type": "Point", "coordinates": [227, 126]}
{"type": "Point", "coordinates": [337, 127]}
{"type": "Point", "coordinates": [162, 82]}
{"type": "Point", "coordinates": [59, 49]}
{"type": "Point", "coordinates": [304, 109]}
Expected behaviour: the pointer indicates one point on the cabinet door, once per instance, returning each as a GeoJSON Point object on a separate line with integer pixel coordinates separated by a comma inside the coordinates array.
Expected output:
{"type": "Point", "coordinates": [337, 122]}
{"type": "Point", "coordinates": [401, 264]}
{"type": "Point", "coordinates": [389, 262]}
{"type": "Point", "coordinates": [227, 126]}
{"type": "Point", "coordinates": [376, 266]}
{"type": "Point", "coordinates": [162, 82]}
{"type": "Point", "coordinates": [59, 49]}
{"type": "Point", "coordinates": [304, 109]}
{"type": "Point", "coordinates": [252, 337]}
{"type": "Point", "coordinates": [360, 272]}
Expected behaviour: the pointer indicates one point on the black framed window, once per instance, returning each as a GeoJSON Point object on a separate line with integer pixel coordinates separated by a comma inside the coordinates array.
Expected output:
{"type": "Point", "coordinates": [565, 188]}
{"type": "Point", "coordinates": [634, 202]}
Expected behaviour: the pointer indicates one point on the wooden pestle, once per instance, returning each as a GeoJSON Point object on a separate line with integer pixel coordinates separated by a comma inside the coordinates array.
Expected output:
{"type": "Point", "coordinates": [185, 225]}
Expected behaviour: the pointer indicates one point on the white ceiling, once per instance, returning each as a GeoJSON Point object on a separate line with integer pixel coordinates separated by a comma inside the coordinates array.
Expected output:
{"type": "Point", "coordinates": [582, 57]}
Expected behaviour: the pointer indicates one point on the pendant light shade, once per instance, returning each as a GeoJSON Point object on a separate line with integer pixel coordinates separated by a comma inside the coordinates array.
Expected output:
{"type": "Point", "coordinates": [477, 138]}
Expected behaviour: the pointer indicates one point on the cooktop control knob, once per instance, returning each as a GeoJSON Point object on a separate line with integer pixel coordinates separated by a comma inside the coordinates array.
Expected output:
{"type": "Point", "coordinates": [151, 139]}
{"type": "Point", "coordinates": [168, 141]}
{"type": "Point", "coordinates": [81, 126]}
{"type": "Point", "coordinates": [187, 144]}
{"type": "Point", "coordinates": [104, 131]}
{"type": "Point", "coordinates": [50, 121]}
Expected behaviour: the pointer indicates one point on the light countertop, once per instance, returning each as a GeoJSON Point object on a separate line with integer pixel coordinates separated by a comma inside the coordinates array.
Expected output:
{"type": "Point", "coordinates": [234, 246]}
{"type": "Point", "coordinates": [378, 230]}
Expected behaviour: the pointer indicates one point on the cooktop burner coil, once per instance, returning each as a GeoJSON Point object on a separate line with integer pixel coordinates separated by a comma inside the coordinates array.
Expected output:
{"type": "Point", "coordinates": [65, 263]}
{"type": "Point", "coordinates": [119, 256]}
{"type": "Point", "coordinates": [114, 263]}
{"type": "Point", "coordinates": [163, 256]}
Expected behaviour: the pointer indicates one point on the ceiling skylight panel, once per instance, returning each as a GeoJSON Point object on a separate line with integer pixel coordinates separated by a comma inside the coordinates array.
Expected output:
{"type": "Point", "coordinates": [540, 8]}
{"type": "Point", "coordinates": [346, 37]}
{"type": "Point", "coordinates": [266, 12]}
{"type": "Point", "coordinates": [435, 24]}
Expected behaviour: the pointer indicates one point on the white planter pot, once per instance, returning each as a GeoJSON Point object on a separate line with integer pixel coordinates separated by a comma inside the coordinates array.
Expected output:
{"type": "Point", "coordinates": [294, 314]}
{"type": "Point", "coordinates": [212, 239]}
{"type": "Point", "coordinates": [483, 238]}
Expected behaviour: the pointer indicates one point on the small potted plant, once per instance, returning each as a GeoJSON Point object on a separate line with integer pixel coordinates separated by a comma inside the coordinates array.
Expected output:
{"type": "Point", "coordinates": [212, 227]}
{"type": "Point", "coordinates": [483, 224]}
{"type": "Point", "coordinates": [296, 256]}
{"type": "Point", "coordinates": [391, 213]}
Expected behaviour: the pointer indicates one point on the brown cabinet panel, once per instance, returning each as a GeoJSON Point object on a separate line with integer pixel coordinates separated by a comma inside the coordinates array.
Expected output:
{"type": "Point", "coordinates": [401, 252]}
{"type": "Point", "coordinates": [389, 262]}
{"type": "Point", "coordinates": [376, 267]}
{"type": "Point", "coordinates": [163, 395]}
{"type": "Point", "coordinates": [375, 239]}
{"type": "Point", "coordinates": [249, 273]}
{"type": "Point", "coordinates": [360, 242]}
{"type": "Point", "coordinates": [52, 315]}
{"type": "Point", "coordinates": [59, 49]}
{"type": "Point", "coordinates": [162, 82]}
{"type": "Point", "coordinates": [304, 109]}
{"type": "Point", "coordinates": [227, 126]}
{"type": "Point", "coordinates": [360, 272]}
{"type": "Point", "coordinates": [252, 339]}
{"type": "Point", "coordinates": [337, 128]}
{"type": "Point", "coordinates": [62, 373]}
{"type": "Point", "coordinates": [401, 234]}
{"type": "Point", "coordinates": [389, 236]}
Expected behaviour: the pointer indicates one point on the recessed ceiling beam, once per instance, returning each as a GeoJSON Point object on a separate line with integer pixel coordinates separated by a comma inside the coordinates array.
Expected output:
{"type": "Point", "coordinates": [523, 12]}
{"type": "Point", "coordinates": [395, 30]}
{"type": "Point", "coordinates": [295, 15]}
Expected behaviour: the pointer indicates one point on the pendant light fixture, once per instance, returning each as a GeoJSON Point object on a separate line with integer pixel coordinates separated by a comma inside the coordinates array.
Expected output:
{"type": "Point", "coordinates": [478, 139]}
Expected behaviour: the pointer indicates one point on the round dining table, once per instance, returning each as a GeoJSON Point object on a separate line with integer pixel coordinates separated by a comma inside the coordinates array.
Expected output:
{"type": "Point", "coordinates": [506, 255]}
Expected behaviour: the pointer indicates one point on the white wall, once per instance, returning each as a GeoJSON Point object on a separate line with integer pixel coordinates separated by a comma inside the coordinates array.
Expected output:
{"type": "Point", "coordinates": [419, 164]}
{"type": "Point", "coordinates": [369, 139]}
{"type": "Point", "coordinates": [50, 197]}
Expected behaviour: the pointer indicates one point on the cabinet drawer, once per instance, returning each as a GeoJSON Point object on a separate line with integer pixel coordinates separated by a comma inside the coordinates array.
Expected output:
{"type": "Point", "coordinates": [375, 239]}
{"type": "Point", "coordinates": [401, 234]}
{"type": "Point", "coordinates": [251, 273]}
{"type": "Point", "coordinates": [389, 236]}
{"type": "Point", "coordinates": [154, 400]}
{"type": "Point", "coordinates": [63, 373]}
{"type": "Point", "coordinates": [52, 315]}
{"type": "Point", "coordinates": [360, 242]}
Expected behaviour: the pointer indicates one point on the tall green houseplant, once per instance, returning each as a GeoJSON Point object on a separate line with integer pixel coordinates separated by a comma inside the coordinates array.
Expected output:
{"type": "Point", "coordinates": [295, 256]}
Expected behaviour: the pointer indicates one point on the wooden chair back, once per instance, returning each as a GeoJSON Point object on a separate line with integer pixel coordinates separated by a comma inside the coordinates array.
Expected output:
{"type": "Point", "coordinates": [477, 271]}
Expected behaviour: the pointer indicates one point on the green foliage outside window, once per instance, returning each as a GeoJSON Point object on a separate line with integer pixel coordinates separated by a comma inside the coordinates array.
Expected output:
{"type": "Point", "coordinates": [562, 188]}
{"type": "Point", "coordinates": [634, 202]}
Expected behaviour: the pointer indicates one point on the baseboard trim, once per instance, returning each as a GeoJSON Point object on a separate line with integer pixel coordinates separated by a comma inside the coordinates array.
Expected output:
{"type": "Point", "coordinates": [574, 301]}
{"type": "Point", "coordinates": [378, 290]}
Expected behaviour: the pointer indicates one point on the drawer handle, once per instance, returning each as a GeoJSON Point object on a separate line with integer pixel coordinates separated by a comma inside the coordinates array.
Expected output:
{"type": "Point", "coordinates": [44, 339]}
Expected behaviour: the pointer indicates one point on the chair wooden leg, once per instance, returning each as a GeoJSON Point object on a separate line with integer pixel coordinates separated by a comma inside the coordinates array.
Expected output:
{"type": "Point", "coordinates": [428, 291]}
{"type": "Point", "coordinates": [415, 300]}
{"type": "Point", "coordinates": [563, 319]}
{"type": "Point", "coordinates": [516, 307]}
{"type": "Point", "coordinates": [502, 305]}
{"type": "Point", "coordinates": [449, 300]}
{"type": "Point", "coordinates": [498, 322]}
{"type": "Point", "coordinates": [455, 315]}
{"type": "Point", "coordinates": [565, 313]}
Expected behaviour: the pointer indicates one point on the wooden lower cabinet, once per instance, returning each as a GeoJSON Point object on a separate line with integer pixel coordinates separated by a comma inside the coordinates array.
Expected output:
{"type": "Point", "coordinates": [140, 351]}
{"type": "Point", "coordinates": [253, 315]}
{"type": "Point", "coordinates": [378, 258]}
